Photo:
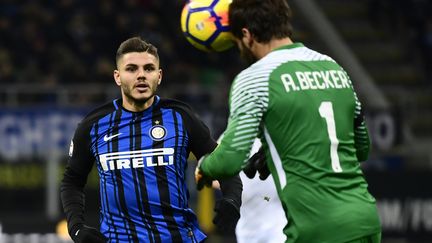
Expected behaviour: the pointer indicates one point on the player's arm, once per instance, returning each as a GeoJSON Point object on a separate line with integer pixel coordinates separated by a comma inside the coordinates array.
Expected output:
{"type": "Point", "coordinates": [247, 107]}
{"type": "Point", "coordinates": [72, 189]}
{"type": "Point", "coordinates": [361, 134]}
{"type": "Point", "coordinates": [201, 143]}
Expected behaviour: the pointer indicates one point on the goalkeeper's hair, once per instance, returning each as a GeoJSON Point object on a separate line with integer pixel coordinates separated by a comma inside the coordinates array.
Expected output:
{"type": "Point", "coordinates": [136, 44]}
{"type": "Point", "coordinates": [265, 19]}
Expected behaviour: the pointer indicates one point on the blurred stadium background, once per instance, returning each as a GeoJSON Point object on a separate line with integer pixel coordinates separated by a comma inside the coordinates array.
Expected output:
{"type": "Point", "coordinates": [56, 62]}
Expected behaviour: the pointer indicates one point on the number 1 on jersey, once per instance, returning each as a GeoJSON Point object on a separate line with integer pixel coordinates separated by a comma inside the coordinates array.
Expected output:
{"type": "Point", "coordinates": [326, 112]}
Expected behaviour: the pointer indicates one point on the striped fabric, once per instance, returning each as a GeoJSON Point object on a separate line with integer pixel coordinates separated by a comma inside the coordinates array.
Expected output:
{"type": "Point", "coordinates": [302, 106]}
{"type": "Point", "coordinates": [141, 160]}
{"type": "Point", "coordinates": [250, 92]}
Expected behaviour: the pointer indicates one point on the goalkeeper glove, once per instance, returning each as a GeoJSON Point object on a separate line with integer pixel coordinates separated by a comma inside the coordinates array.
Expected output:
{"type": "Point", "coordinates": [227, 215]}
{"type": "Point", "coordinates": [86, 234]}
{"type": "Point", "coordinates": [257, 163]}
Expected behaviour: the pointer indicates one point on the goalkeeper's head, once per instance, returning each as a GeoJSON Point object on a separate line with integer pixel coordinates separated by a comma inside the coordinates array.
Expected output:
{"type": "Point", "coordinates": [259, 26]}
{"type": "Point", "coordinates": [265, 19]}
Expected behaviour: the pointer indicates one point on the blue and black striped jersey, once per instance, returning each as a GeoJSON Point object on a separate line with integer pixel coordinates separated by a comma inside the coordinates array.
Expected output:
{"type": "Point", "coordinates": [141, 158]}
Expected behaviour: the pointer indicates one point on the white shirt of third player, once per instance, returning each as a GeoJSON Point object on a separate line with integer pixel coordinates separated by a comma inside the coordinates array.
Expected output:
{"type": "Point", "coordinates": [262, 218]}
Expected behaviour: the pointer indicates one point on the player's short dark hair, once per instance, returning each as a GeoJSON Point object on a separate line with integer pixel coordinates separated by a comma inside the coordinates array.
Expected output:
{"type": "Point", "coordinates": [136, 44]}
{"type": "Point", "coordinates": [265, 19]}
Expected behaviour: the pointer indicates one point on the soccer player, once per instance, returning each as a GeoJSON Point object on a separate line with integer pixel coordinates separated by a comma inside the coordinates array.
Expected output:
{"type": "Point", "coordinates": [303, 107]}
{"type": "Point", "coordinates": [140, 144]}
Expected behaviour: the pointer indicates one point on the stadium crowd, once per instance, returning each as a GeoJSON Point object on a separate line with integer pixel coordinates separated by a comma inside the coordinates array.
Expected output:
{"type": "Point", "coordinates": [71, 41]}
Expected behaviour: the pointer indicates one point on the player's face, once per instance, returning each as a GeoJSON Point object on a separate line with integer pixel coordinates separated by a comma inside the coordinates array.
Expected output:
{"type": "Point", "coordinates": [245, 52]}
{"type": "Point", "coordinates": [138, 76]}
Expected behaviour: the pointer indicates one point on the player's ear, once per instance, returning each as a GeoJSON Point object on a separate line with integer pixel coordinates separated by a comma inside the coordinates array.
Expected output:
{"type": "Point", "coordinates": [116, 75]}
{"type": "Point", "coordinates": [160, 76]}
{"type": "Point", "coordinates": [246, 34]}
{"type": "Point", "coordinates": [247, 37]}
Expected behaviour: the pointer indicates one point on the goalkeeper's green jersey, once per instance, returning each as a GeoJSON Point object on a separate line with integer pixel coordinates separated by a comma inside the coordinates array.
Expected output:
{"type": "Point", "coordinates": [303, 107]}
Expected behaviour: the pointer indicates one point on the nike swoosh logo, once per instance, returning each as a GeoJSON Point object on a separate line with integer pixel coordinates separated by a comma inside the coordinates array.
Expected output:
{"type": "Point", "coordinates": [106, 138]}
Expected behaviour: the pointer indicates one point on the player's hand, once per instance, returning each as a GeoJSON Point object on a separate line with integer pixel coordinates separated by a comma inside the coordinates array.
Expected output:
{"type": "Point", "coordinates": [257, 163]}
{"type": "Point", "coordinates": [201, 180]}
{"type": "Point", "coordinates": [86, 234]}
{"type": "Point", "coordinates": [227, 215]}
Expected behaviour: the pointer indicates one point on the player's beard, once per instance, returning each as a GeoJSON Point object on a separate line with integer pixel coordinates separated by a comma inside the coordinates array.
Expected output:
{"type": "Point", "coordinates": [138, 101]}
{"type": "Point", "coordinates": [246, 54]}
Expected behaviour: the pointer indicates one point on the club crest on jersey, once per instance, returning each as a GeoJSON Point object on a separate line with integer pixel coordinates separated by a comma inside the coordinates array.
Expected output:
{"type": "Point", "coordinates": [158, 132]}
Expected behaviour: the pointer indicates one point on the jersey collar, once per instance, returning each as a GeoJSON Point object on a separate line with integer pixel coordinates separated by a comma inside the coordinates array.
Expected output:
{"type": "Point", "coordinates": [290, 46]}
{"type": "Point", "coordinates": [118, 104]}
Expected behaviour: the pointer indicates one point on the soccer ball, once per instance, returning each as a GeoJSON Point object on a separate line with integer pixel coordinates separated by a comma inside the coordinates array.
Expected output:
{"type": "Point", "coordinates": [205, 24]}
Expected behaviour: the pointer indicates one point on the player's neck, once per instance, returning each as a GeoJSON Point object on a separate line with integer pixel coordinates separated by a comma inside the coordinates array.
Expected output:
{"type": "Point", "coordinates": [134, 106]}
{"type": "Point", "coordinates": [264, 49]}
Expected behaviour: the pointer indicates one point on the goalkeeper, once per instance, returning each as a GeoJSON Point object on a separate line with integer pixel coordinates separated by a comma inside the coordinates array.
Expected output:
{"type": "Point", "coordinates": [303, 107]}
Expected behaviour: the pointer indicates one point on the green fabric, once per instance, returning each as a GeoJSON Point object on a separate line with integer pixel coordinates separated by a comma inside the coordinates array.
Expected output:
{"type": "Point", "coordinates": [302, 105]}
{"type": "Point", "coordinates": [375, 238]}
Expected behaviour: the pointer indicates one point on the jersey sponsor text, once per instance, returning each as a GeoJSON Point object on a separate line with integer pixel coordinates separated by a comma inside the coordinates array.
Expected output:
{"type": "Point", "coordinates": [136, 159]}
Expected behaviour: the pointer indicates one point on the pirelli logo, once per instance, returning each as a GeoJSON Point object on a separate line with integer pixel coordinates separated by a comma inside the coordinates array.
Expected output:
{"type": "Point", "coordinates": [137, 159]}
